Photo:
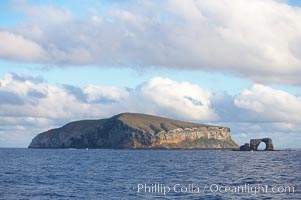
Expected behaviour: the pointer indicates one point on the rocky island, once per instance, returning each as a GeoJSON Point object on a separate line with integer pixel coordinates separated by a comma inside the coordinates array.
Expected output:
{"type": "Point", "coordinates": [254, 143]}
{"type": "Point", "coordinates": [133, 131]}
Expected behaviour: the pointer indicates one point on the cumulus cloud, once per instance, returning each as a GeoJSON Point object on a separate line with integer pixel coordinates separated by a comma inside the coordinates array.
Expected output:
{"type": "Point", "coordinates": [157, 96]}
{"type": "Point", "coordinates": [100, 94]}
{"type": "Point", "coordinates": [166, 97]}
{"type": "Point", "coordinates": [256, 39]}
{"type": "Point", "coordinates": [268, 104]}
{"type": "Point", "coordinates": [10, 98]}
{"type": "Point", "coordinates": [17, 47]}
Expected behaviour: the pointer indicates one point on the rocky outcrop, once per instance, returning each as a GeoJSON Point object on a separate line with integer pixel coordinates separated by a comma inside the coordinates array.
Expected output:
{"type": "Point", "coordinates": [245, 147]}
{"type": "Point", "coordinates": [254, 143]}
{"type": "Point", "coordinates": [129, 130]}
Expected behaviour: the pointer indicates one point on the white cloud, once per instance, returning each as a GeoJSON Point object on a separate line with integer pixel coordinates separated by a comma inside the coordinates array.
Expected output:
{"type": "Point", "coordinates": [99, 93]}
{"type": "Point", "coordinates": [14, 46]}
{"type": "Point", "coordinates": [256, 39]}
{"type": "Point", "coordinates": [158, 96]}
{"type": "Point", "coordinates": [268, 104]}
{"type": "Point", "coordinates": [166, 97]}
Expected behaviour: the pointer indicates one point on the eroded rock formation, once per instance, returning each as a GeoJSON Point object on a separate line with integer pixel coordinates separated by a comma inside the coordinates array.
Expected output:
{"type": "Point", "coordinates": [130, 130]}
{"type": "Point", "coordinates": [254, 143]}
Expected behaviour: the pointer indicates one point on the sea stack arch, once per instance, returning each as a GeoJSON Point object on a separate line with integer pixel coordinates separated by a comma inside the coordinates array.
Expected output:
{"type": "Point", "coordinates": [254, 143]}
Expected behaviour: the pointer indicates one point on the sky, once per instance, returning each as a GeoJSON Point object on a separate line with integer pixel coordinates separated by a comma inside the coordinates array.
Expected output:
{"type": "Point", "coordinates": [235, 63]}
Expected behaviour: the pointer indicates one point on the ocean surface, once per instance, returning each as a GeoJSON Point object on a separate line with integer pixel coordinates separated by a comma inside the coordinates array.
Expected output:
{"type": "Point", "coordinates": [149, 174]}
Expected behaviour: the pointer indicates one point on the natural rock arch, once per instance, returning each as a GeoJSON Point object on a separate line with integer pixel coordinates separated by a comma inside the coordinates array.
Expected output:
{"type": "Point", "coordinates": [254, 143]}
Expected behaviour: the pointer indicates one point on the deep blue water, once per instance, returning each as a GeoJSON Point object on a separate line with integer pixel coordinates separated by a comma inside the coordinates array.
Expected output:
{"type": "Point", "coordinates": [132, 174]}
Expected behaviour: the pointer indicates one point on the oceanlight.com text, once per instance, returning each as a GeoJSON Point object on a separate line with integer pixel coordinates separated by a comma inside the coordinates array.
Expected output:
{"type": "Point", "coordinates": [254, 189]}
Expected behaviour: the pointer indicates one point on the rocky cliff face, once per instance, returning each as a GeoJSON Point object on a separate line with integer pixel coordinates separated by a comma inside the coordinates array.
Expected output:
{"type": "Point", "coordinates": [131, 130]}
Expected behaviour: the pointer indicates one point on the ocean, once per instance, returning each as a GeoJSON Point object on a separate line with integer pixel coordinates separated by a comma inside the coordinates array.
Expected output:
{"type": "Point", "coordinates": [148, 174]}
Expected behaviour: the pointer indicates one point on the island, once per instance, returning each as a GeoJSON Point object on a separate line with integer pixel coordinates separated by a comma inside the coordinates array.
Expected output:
{"type": "Point", "coordinates": [135, 131]}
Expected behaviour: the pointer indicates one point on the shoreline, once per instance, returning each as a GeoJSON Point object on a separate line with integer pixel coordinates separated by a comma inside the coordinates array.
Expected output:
{"type": "Point", "coordinates": [150, 149]}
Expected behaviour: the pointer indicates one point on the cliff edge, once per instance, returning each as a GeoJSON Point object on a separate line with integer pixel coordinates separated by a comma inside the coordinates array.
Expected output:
{"type": "Point", "coordinates": [132, 130]}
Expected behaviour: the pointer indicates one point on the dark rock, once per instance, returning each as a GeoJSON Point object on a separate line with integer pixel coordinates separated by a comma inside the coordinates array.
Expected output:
{"type": "Point", "coordinates": [129, 130]}
{"type": "Point", "coordinates": [245, 147]}
{"type": "Point", "coordinates": [254, 143]}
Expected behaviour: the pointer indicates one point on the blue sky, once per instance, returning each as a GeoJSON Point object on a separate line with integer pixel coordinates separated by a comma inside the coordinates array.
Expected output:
{"type": "Point", "coordinates": [294, 2]}
{"type": "Point", "coordinates": [117, 51]}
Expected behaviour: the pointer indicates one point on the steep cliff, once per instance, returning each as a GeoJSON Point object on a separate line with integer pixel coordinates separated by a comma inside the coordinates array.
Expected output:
{"type": "Point", "coordinates": [130, 130]}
